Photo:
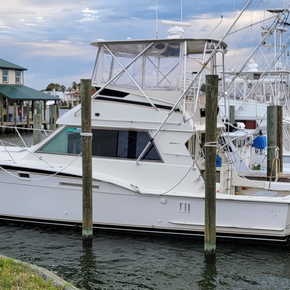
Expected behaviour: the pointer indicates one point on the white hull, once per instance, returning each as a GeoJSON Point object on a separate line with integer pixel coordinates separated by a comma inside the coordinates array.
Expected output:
{"type": "Point", "coordinates": [58, 200]}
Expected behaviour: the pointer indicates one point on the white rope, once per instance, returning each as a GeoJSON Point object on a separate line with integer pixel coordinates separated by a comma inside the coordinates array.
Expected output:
{"type": "Point", "coordinates": [45, 177]}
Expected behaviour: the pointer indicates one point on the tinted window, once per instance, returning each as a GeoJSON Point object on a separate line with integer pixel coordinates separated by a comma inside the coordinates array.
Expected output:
{"type": "Point", "coordinates": [105, 143]}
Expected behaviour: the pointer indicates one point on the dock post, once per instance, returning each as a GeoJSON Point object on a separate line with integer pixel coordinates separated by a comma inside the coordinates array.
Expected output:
{"type": "Point", "coordinates": [27, 114]}
{"type": "Point", "coordinates": [85, 90]}
{"type": "Point", "coordinates": [44, 114]}
{"type": "Point", "coordinates": [15, 114]}
{"type": "Point", "coordinates": [210, 164]}
{"type": "Point", "coordinates": [52, 117]}
{"type": "Point", "coordinates": [232, 115]}
{"type": "Point", "coordinates": [37, 124]}
{"type": "Point", "coordinates": [2, 118]}
{"type": "Point", "coordinates": [280, 135]}
{"type": "Point", "coordinates": [274, 141]}
{"type": "Point", "coordinates": [21, 111]}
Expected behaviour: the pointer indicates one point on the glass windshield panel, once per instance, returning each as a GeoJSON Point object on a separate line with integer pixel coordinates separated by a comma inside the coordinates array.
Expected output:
{"type": "Point", "coordinates": [156, 68]}
{"type": "Point", "coordinates": [67, 142]}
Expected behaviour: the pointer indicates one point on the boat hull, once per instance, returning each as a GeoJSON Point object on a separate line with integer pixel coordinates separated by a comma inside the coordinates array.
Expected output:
{"type": "Point", "coordinates": [57, 200]}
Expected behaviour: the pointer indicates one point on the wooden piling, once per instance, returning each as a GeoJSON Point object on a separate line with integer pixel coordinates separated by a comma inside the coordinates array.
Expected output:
{"type": "Point", "coordinates": [232, 115]}
{"type": "Point", "coordinates": [28, 114]}
{"type": "Point", "coordinates": [2, 118]}
{"type": "Point", "coordinates": [274, 141]}
{"type": "Point", "coordinates": [21, 111]}
{"type": "Point", "coordinates": [44, 114]}
{"type": "Point", "coordinates": [15, 114]}
{"type": "Point", "coordinates": [52, 117]}
{"type": "Point", "coordinates": [37, 124]}
{"type": "Point", "coordinates": [210, 164]}
{"type": "Point", "coordinates": [85, 90]}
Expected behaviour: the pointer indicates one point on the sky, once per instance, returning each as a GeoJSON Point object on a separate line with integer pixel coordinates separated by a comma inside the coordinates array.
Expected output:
{"type": "Point", "coordinates": [51, 39]}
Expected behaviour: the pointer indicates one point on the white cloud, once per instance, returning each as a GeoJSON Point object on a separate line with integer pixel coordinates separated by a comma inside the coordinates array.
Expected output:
{"type": "Point", "coordinates": [63, 29]}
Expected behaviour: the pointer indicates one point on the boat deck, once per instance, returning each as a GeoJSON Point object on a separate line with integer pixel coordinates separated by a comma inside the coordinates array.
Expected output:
{"type": "Point", "coordinates": [262, 175]}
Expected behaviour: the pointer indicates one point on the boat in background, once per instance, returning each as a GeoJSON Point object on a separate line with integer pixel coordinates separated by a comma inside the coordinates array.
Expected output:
{"type": "Point", "coordinates": [261, 81]}
{"type": "Point", "coordinates": [148, 126]}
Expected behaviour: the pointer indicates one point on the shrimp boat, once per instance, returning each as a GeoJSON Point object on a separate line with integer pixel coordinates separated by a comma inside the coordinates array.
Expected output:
{"type": "Point", "coordinates": [148, 124]}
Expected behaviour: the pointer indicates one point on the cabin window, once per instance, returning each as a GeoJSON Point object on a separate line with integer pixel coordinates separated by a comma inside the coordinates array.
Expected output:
{"type": "Point", "coordinates": [67, 142]}
{"type": "Point", "coordinates": [17, 77]}
{"type": "Point", "coordinates": [5, 75]}
{"type": "Point", "coordinates": [105, 143]}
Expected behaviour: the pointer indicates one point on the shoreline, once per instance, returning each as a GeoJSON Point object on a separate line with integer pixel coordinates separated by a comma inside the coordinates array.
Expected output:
{"type": "Point", "coordinates": [45, 274]}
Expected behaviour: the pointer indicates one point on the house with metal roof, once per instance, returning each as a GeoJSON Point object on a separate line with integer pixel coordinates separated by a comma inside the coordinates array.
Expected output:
{"type": "Point", "coordinates": [17, 101]}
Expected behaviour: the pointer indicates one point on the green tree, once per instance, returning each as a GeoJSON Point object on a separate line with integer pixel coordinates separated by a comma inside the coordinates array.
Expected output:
{"type": "Point", "coordinates": [62, 88]}
{"type": "Point", "coordinates": [56, 87]}
{"type": "Point", "coordinates": [74, 86]}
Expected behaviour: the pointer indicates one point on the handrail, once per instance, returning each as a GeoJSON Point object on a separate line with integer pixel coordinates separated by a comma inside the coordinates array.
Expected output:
{"type": "Point", "coordinates": [129, 75]}
{"type": "Point", "coordinates": [119, 73]}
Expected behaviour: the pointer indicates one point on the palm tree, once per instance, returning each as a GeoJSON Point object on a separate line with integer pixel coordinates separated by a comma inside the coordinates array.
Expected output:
{"type": "Point", "coordinates": [74, 86]}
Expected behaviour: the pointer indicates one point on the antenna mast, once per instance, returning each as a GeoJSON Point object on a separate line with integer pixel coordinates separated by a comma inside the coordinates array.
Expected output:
{"type": "Point", "coordinates": [156, 20]}
{"type": "Point", "coordinates": [180, 10]}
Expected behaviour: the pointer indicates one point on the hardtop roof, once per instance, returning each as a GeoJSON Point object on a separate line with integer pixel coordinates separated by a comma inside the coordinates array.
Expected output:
{"type": "Point", "coordinates": [194, 45]}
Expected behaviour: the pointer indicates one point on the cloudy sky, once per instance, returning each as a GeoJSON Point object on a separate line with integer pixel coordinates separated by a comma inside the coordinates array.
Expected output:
{"type": "Point", "coordinates": [51, 39]}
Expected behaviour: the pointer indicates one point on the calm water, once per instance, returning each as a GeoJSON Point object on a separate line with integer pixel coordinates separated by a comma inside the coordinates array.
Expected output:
{"type": "Point", "coordinates": [123, 261]}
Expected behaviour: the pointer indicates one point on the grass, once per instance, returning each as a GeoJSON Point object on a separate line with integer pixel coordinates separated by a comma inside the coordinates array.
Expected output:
{"type": "Point", "coordinates": [18, 276]}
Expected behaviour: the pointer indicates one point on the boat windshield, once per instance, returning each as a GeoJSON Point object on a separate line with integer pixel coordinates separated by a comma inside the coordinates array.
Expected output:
{"type": "Point", "coordinates": [147, 65]}
{"type": "Point", "coordinates": [105, 143]}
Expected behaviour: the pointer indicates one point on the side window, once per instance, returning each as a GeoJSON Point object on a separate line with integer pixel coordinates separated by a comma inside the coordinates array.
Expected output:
{"type": "Point", "coordinates": [67, 141]}
{"type": "Point", "coordinates": [132, 143]}
{"type": "Point", "coordinates": [122, 144]}
{"type": "Point", "coordinates": [5, 75]}
{"type": "Point", "coordinates": [105, 143]}
{"type": "Point", "coordinates": [18, 77]}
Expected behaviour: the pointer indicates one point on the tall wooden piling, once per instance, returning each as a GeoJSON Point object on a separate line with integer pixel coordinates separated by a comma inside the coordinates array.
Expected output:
{"type": "Point", "coordinates": [28, 114]}
{"type": "Point", "coordinates": [15, 114]}
{"type": "Point", "coordinates": [274, 141]}
{"type": "Point", "coordinates": [232, 114]}
{"type": "Point", "coordinates": [37, 124]}
{"type": "Point", "coordinates": [85, 90]}
{"type": "Point", "coordinates": [210, 164]}
{"type": "Point", "coordinates": [52, 116]}
{"type": "Point", "coordinates": [2, 117]}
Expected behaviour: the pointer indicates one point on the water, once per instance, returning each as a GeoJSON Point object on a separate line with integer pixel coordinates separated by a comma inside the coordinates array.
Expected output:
{"type": "Point", "coordinates": [125, 261]}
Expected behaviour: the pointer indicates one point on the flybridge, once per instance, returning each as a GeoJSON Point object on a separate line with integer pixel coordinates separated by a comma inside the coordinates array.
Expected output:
{"type": "Point", "coordinates": [158, 70]}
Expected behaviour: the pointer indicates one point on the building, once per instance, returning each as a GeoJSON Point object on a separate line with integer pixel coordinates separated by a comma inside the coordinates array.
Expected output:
{"type": "Point", "coordinates": [17, 101]}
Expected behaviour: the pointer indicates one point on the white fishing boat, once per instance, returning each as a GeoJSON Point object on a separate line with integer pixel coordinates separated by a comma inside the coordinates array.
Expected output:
{"type": "Point", "coordinates": [148, 125]}
{"type": "Point", "coordinates": [261, 81]}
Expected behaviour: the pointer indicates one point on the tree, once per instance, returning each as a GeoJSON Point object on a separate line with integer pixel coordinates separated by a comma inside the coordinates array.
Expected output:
{"type": "Point", "coordinates": [74, 86]}
{"type": "Point", "coordinates": [62, 88]}
{"type": "Point", "coordinates": [56, 87]}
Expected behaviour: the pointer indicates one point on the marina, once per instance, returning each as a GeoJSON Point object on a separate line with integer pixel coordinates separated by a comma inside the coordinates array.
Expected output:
{"type": "Point", "coordinates": [118, 261]}
{"type": "Point", "coordinates": [170, 169]}
{"type": "Point", "coordinates": [149, 144]}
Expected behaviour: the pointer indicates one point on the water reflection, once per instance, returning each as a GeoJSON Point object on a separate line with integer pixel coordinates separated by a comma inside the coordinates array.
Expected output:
{"type": "Point", "coordinates": [123, 261]}
{"type": "Point", "coordinates": [88, 265]}
{"type": "Point", "coordinates": [209, 275]}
